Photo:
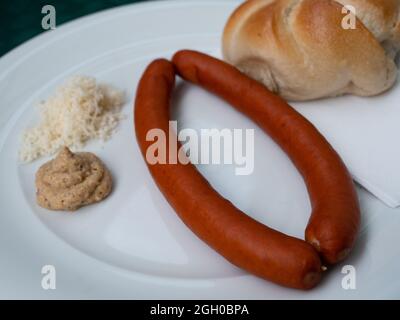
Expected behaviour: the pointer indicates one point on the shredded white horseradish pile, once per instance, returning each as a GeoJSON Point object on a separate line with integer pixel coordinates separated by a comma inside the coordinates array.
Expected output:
{"type": "Point", "coordinates": [80, 110]}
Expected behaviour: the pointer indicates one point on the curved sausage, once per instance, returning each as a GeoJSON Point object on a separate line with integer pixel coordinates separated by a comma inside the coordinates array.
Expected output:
{"type": "Point", "coordinates": [335, 218]}
{"type": "Point", "coordinates": [242, 240]}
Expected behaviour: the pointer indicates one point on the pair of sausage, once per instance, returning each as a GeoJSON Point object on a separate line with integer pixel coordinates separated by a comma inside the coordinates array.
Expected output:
{"type": "Point", "coordinates": [243, 241]}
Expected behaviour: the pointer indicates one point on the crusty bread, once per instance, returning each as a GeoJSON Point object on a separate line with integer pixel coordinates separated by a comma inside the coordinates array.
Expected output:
{"type": "Point", "coordinates": [299, 49]}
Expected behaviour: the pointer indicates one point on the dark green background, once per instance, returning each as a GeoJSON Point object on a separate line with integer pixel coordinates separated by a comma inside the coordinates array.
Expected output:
{"type": "Point", "coordinates": [21, 20]}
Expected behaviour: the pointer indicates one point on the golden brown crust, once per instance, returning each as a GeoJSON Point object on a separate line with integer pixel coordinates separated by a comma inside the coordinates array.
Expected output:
{"type": "Point", "coordinates": [299, 48]}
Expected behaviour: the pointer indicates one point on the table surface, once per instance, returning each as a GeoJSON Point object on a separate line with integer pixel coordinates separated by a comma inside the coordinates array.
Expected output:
{"type": "Point", "coordinates": [21, 19]}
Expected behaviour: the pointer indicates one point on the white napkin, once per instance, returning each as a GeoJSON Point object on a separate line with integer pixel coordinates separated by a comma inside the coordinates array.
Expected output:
{"type": "Point", "coordinates": [366, 134]}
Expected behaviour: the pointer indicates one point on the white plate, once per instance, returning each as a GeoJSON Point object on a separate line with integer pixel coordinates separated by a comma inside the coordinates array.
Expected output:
{"type": "Point", "coordinates": [133, 245]}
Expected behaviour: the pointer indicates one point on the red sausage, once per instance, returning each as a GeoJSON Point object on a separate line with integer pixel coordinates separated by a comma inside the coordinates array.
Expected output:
{"type": "Point", "coordinates": [242, 240]}
{"type": "Point", "coordinates": [335, 218]}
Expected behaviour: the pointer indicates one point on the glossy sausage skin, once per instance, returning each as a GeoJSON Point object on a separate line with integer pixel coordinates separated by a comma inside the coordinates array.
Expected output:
{"type": "Point", "coordinates": [335, 218]}
{"type": "Point", "coordinates": [242, 240]}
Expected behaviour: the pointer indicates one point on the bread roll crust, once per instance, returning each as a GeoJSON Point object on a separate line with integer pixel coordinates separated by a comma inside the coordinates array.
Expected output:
{"type": "Point", "coordinates": [299, 49]}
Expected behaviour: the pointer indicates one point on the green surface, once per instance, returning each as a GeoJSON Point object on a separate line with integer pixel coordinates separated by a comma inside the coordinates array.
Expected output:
{"type": "Point", "coordinates": [21, 19]}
